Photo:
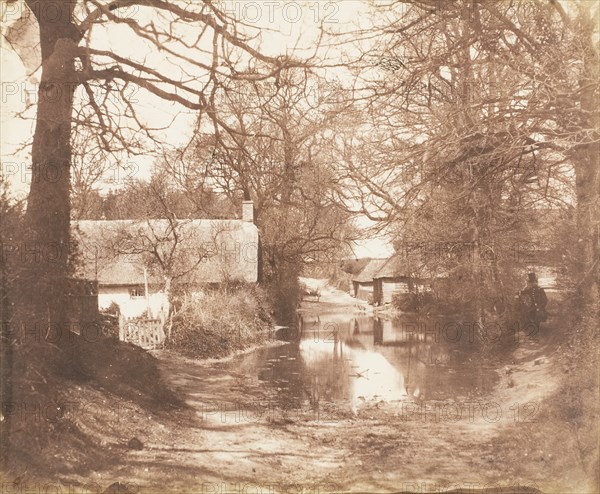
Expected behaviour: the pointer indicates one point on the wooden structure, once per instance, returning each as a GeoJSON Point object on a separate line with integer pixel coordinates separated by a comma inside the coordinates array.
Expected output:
{"type": "Point", "coordinates": [149, 333]}
{"type": "Point", "coordinates": [382, 279]}
{"type": "Point", "coordinates": [390, 280]}
{"type": "Point", "coordinates": [363, 283]}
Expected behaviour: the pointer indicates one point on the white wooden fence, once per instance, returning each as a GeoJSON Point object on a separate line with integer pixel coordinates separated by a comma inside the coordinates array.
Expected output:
{"type": "Point", "coordinates": [142, 331]}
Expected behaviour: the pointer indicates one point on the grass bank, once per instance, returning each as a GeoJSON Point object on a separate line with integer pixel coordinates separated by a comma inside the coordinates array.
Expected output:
{"type": "Point", "coordinates": [69, 417]}
{"type": "Point", "coordinates": [562, 435]}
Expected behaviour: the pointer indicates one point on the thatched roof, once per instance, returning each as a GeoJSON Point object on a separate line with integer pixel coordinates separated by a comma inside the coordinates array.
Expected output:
{"type": "Point", "coordinates": [396, 266]}
{"type": "Point", "coordinates": [389, 269]}
{"type": "Point", "coordinates": [392, 268]}
{"type": "Point", "coordinates": [370, 270]}
{"type": "Point", "coordinates": [192, 251]}
{"type": "Point", "coordinates": [354, 266]}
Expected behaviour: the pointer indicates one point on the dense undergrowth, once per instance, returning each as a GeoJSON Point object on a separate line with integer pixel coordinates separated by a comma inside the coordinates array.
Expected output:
{"type": "Point", "coordinates": [217, 323]}
{"type": "Point", "coordinates": [577, 401]}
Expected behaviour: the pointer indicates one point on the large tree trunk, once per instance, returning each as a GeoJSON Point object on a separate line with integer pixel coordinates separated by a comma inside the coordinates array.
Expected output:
{"type": "Point", "coordinates": [40, 299]}
{"type": "Point", "coordinates": [39, 338]}
{"type": "Point", "coordinates": [587, 171]}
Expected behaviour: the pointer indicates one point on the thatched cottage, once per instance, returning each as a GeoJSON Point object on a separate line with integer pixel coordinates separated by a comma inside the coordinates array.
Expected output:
{"type": "Point", "coordinates": [392, 279]}
{"type": "Point", "coordinates": [135, 262]}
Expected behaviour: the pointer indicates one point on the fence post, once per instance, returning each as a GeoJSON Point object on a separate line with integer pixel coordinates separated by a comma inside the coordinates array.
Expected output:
{"type": "Point", "coordinates": [141, 333]}
{"type": "Point", "coordinates": [122, 323]}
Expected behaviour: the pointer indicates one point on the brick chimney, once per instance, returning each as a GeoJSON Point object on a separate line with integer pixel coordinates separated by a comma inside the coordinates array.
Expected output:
{"type": "Point", "coordinates": [248, 211]}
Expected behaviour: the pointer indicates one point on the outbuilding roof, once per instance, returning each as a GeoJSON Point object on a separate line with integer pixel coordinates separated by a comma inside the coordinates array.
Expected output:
{"type": "Point", "coordinates": [391, 268]}
{"type": "Point", "coordinates": [370, 270]}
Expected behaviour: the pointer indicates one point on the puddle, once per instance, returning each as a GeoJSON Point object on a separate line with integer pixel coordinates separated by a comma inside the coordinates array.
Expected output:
{"type": "Point", "coordinates": [352, 360]}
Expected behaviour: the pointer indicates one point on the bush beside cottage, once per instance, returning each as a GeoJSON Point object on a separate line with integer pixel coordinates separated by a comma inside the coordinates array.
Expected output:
{"type": "Point", "coordinates": [216, 323]}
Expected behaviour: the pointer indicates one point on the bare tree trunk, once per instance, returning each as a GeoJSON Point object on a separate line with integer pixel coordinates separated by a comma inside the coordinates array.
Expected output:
{"type": "Point", "coordinates": [6, 355]}
{"type": "Point", "coordinates": [41, 299]}
{"type": "Point", "coordinates": [168, 281]}
{"type": "Point", "coordinates": [587, 171]}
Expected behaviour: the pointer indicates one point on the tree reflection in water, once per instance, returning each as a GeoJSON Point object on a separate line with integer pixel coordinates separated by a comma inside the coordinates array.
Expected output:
{"type": "Point", "coordinates": [350, 360]}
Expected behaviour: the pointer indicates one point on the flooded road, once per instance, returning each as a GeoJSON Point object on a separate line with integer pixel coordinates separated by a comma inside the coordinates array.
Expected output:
{"type": "Point", "coordinates": [351, 402]}
{"type": "Point", "coordinates": [349, 361]}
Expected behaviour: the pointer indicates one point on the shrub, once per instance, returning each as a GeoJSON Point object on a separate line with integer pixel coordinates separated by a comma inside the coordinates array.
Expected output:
{"type": "Point", "coordinates": [109, 320]}
{"type": "Point", "coordinates": [217, 323]}
{"type": "Point", "coordinates": [406, 302]}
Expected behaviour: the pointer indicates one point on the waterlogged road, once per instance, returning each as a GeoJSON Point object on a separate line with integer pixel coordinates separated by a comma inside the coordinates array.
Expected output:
{"type": "Point", "coordinates": [352, 403]}
{"type": "Point", "coordinates": [349, 361]}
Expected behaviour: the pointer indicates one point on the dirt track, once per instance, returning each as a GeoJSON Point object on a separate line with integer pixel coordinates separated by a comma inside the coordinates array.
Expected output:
{"type": "Point", "coordinates": [233, 439]}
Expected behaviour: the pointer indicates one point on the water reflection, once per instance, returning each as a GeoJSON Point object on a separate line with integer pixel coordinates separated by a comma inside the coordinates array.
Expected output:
{"type": "Point", "coordinates": [343, 358]}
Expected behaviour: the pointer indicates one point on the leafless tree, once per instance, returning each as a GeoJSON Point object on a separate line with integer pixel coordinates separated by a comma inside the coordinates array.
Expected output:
{"type": "Point", "coordinates": [479, 114]}
{"type": "Point", "coordinates": [280, 156]}
{"type": "Point", "coordinates": [185, 53]}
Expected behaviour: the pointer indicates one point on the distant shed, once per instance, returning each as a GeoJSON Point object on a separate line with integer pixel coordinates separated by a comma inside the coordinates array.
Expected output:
{"type": "Point", "coordinates": [363, 283]}
{"type": "Point", "coordinates": [392, 279]}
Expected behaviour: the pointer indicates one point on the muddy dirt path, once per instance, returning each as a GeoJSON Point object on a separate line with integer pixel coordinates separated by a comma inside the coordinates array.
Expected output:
{"type": "Point", "coordinates": [234, 438]}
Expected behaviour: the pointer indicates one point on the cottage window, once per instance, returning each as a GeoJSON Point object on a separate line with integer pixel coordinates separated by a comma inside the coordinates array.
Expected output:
{"type": "Point", "coordinates": [136, 292]}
